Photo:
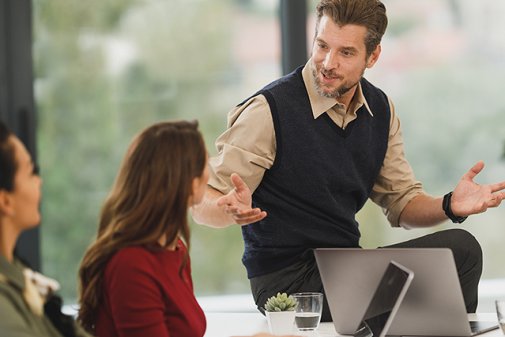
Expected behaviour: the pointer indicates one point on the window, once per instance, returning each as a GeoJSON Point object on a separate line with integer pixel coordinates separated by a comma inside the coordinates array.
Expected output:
{"type": "Point", "coordinates": [442, 65]}
{"type": "Point", "coordinates": [106, 69]}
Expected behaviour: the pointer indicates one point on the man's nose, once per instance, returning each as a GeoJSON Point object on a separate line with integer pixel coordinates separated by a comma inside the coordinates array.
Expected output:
{"type": "Point", "coordinates": [331, 61]}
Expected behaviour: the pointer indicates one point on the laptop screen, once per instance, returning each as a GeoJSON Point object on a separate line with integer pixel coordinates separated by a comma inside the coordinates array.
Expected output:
{"type": "Point", "coordinates": [385, 301]}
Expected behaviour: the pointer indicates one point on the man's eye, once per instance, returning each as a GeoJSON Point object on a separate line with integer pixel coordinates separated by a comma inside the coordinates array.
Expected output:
{"type": "Point", "coordinates": [36, 169]}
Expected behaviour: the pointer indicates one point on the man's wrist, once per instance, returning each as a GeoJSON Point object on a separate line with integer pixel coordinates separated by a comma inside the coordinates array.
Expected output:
{"type": "Point", "coordinates": [446, 206]}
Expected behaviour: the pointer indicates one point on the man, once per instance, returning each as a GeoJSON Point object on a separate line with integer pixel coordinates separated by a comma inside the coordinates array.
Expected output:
{"type": "Point", "coordinates": [301, 157]}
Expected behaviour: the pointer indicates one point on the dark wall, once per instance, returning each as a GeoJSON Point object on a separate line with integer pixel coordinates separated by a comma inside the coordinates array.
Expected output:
{"type": "Point", "coordinates": [17, 107]}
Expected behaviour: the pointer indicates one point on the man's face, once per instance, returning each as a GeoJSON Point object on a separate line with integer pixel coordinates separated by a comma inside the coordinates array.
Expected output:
{"type": "Point", "coordinates": [339, 58]}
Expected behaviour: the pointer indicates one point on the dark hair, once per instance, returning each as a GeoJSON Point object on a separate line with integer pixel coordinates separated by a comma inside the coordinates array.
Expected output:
{"type": "Point", "coordinates": [368, 13]}
{"type": "Point", "coordinates": [8, 165]}
{"type": "Point", "coordinates": [149, 198]}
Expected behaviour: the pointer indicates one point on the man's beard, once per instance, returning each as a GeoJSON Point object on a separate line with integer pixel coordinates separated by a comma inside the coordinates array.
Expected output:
{"type": "Point", "coordinates": [336, 93]}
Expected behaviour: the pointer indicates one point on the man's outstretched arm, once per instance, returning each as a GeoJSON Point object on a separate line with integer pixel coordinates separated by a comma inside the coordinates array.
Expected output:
{"type": "Point", "coordinates": [222, 210]}
{"type": "Point", "coordinates": [468, 198]}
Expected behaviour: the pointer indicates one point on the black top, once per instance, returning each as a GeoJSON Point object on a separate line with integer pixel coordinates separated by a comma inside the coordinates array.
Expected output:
{"type": "Point", "coordinates": [321, 177]}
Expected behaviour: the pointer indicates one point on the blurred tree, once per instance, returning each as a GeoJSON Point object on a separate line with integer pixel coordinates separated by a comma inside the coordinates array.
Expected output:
{"type": "Point", "coordinates": [105, 70]}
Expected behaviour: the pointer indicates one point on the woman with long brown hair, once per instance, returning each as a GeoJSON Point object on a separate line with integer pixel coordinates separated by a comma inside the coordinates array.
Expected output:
{"type": "Point", "coordinates": [135, 278]}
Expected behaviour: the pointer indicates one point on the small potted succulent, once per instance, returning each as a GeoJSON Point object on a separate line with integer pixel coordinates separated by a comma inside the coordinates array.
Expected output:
{"type": "Point", "coordinates": [280, 312]}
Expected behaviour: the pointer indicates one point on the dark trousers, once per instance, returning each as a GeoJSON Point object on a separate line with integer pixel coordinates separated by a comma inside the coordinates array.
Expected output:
{"type": "Point", "coordinates": [303, 276]}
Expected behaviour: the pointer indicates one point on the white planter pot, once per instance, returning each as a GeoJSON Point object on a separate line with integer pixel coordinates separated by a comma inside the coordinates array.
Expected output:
{"type": "Point", "coordinates": [281, 322]}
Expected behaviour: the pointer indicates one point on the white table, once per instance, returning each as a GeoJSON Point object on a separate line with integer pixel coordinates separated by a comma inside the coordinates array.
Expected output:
{"type": "Point", "coordinates": [247, 324]}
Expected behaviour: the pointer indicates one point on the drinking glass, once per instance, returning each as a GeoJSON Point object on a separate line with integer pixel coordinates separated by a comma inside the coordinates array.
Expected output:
{"type": "Point", "coordinates": [308, 310]}
{"type": "Point", "coordinates": [500, 312]}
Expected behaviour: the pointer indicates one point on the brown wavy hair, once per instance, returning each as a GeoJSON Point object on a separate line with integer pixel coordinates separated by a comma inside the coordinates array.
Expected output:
{"type": "Point", "coordinates": [149, 199]}
{"type": "Point", "coordinates": [368, 13]}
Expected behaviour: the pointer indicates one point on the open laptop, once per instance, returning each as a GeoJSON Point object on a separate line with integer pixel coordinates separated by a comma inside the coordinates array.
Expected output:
{"type": "Point", "coordinates": [385, 301]}
{"type": "Point", "coordinates": [433, 305]}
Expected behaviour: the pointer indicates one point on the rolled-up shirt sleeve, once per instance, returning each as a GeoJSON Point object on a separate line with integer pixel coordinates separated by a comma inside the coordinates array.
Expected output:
{"type": "Point", "coordinates": [247, 147]}
{"type": "Point", "coordinates": [396, 184]}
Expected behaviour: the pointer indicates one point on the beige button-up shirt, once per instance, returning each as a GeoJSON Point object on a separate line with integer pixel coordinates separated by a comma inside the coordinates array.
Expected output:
{"type": "Point", "coordinates": [248, 147]}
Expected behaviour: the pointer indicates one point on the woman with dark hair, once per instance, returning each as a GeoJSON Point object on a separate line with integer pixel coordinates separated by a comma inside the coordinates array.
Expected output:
{"type": "Point", "coordinates": [28, 306]}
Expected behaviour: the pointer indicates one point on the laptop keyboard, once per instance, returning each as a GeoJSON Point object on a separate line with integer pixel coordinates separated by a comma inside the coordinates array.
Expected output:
{"type": "Point", "coordinates": [479, 327]}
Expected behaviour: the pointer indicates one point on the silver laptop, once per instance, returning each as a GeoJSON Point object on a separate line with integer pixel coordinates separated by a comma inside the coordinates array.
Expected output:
{"type": "Point", "coordinates": [433, 305]}
{"type": "Point", "coordinates": [385, 301]}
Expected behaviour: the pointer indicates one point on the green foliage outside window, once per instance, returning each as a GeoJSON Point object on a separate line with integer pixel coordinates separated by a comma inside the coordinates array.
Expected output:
{"type": "Point", "coordinates": [106, 69]}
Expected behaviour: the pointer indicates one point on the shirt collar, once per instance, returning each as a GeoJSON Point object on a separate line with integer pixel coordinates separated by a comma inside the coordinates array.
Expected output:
{"type": "Point", "coordinates": [321, 104]}
{"type": "Point", "coordinates": [13, 272]}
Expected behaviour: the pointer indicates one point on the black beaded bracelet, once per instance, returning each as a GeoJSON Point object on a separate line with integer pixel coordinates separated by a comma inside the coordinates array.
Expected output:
{"type": "Point", "coordinates": [446, 205]}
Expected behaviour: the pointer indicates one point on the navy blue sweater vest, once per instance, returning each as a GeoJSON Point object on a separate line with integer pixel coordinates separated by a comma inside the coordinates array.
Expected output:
{"type": "Point", "coordinates": [321, 177]}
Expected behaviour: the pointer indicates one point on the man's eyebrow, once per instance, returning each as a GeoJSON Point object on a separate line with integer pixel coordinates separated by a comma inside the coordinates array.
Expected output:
{"type": "Point", "coordinates": [353, 49]}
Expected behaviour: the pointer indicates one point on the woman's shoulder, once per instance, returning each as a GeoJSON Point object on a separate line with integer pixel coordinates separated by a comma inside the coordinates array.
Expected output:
{"type": "Point", "coordinates": [129, 263]}
{"type": "Point", "coordinates": [141, 259]}
{"type": "Point", "coordinates": [140, 265]}
{"type": "Point", "coordinates": [16, 317]}
{"type": "Point", "coordinates": [131, 252]}
{"type": "Point", "coordinates": [155, 252]}
{"type": "Point", "coordinates": [131, 256]}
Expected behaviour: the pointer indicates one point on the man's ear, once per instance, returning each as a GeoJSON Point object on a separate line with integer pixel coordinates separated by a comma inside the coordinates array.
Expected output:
{"type": "Point", "coordinates": [6, 203]}
{"type": "Point", "coordinates": [372, 59]}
